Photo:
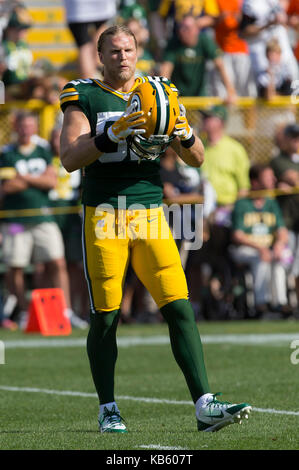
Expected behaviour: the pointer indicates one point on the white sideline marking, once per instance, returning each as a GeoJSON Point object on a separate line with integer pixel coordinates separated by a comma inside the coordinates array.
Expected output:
{"type": "Point", "coordinates": [276, 339]}
{"type": "Point", "coordinates": [126, 397]}
{"type": "Point", "coordinates": [159, 447]}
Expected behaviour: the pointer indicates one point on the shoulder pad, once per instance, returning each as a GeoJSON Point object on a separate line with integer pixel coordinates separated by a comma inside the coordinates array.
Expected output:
{"type": "Point", "coordinates": [74, 92]}
{"type": "Point", "coordinates": [71, 92]}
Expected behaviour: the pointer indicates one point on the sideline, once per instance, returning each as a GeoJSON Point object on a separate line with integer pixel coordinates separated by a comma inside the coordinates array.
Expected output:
{"type": "Point", "coordinates": [275, 339]}
{"type": "Point", "coordinates": [125, 397]}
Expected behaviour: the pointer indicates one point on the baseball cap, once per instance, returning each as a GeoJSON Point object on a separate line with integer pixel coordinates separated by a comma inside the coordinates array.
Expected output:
{"type": "Point", "coordinates": [19, 18]}
{"type": "Point", "coordinates": [292, 130]}
{"type": "Point", "coordinates": [219, 111]}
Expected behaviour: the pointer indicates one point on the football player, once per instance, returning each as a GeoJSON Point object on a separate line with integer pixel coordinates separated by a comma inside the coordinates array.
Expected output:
{"type": "Point", "coordinates": [106, 130]}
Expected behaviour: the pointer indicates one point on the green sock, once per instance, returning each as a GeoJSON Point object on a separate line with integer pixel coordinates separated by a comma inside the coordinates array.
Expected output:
{"type": "Point", "coordinates": [102, 352]}
{"type": "Point", "coordinates": [186, 345]}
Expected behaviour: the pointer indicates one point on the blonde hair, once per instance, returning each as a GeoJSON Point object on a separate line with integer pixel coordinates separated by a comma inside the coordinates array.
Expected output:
{"type": "Point", "coordinates": [114, 31]}
{"type": "Point", "coordinates": [273, 46]}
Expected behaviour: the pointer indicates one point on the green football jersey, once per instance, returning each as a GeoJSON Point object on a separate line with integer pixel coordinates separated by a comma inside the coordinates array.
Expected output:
{"type": "Point", "coordinates": [119, 173]}
{"type": "Point", "coordinates": [259, 224]}
{"type": "Point", "coordinates": [35, 163]}
{"type": "Point", "coordinates": [189, 72]}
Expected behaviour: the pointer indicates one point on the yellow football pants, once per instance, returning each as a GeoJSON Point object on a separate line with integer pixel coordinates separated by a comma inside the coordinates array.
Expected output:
{"type": "Point", "coordinates": [113, 238]}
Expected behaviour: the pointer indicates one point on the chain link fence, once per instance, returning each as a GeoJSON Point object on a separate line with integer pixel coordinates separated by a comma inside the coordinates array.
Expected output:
{"type": "Point", "coordinates": [47, 115]}
{"type": "Point", "coordinates": [254, 123]}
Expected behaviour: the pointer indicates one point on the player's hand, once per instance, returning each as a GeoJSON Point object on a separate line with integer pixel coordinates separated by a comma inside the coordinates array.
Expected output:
{"type": "Point", "coordinates": [182, 128]}
{"type": "Point", "coordinates": [126, 125]}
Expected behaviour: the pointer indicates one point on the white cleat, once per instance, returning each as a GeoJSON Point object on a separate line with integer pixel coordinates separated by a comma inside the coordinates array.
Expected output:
{"type": "Point", "coordinates": [214, 415]}
{"type": "Point", "coordinates": [110, 421]}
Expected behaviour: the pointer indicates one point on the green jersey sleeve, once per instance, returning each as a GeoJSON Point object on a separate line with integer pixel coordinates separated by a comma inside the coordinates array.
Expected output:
{"type": "Point", "coordinates": [74, 93]}
{"type": "Point", "coordinates": [7, 168]}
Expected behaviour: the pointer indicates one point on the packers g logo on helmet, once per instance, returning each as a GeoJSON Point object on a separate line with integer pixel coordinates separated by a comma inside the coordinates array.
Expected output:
{"type": "Point", "coordinates": [159, 102]}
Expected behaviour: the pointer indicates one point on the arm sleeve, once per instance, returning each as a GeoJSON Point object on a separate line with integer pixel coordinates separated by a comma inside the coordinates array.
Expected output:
{"type": "Point", "coordinates": [7, 168]}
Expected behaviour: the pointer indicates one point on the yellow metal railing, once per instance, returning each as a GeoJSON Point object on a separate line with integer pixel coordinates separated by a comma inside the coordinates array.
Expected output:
{"type": "Point", "coordinates": [253, 122]}
{"type": "Point", "coordinates": [196, 199]}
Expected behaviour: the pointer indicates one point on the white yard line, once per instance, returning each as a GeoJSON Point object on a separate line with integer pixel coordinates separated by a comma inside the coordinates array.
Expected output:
{"type": "Point", "coordinates": [276, 339]}
{"type": "Point", "coordinates": [160, 447]}
{"type": "Point", "coordinates": [126, 397]}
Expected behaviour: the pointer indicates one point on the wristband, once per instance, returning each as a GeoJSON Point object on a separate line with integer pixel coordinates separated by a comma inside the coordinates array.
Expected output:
{"type": "Point", "coordinates": [189, 142]}
{"type": "Point", "coordinates": [104, 144]}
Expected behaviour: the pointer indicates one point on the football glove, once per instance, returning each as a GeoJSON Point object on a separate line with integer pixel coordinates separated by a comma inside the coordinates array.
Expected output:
{"type": "Point", "coordinates": [126, 125]}
{"type": "Point", "coordinates": [182, 128]}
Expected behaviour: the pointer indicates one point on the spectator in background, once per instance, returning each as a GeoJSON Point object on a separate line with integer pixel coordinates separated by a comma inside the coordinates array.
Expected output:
{"type": "Point", "coordinates": [226, 163]}
{"type": "Point", "coordinates": [44, 82]}
{"type": "Point", "coordinates": [27, 175]}
{"type": "Point", "coordinates": [260, 239]}
{"type": "Point", "coordinates": [262, 21]}
{"type": "Point", "coordinates": [226, 167]}
{"type": "Point", "coordinates": [286, 169]}
{"type": "Point", "coordinates": [87, 19]}
{"type": "Point", "coordinates": [145, 61]}
{"type": "Point", "coordinates": [276, 79]}
{"type": "Point", "coordinates": [6, 9]}
{"type": "Point", "coordinates": [67, 194]}
{"type": "Point", "coordinates": [186, 57]}
{"type": "Point", "coordinates": [15, 55]}
{"type": "Point", "coordinates": [128, 9]}
{"type": "Point", "coordinates": [293, 22]}
{"type": "Point", "coordinates": [235, 51]}
{"type": "Point", "coordinates": [167, 14]}
{"type": "Point", "coordinates": [158, 29]}
{"type": "Point", "coordinates": [183, 185]}
{"type": "Point", "coordinates": [205, 12]}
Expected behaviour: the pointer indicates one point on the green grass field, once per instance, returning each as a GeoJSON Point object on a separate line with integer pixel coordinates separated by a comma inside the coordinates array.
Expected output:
{"type": "Point", "coordinates": [48, 399]}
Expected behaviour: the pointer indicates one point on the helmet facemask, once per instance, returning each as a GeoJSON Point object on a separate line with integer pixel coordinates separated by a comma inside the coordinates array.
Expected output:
{"type": "Point", "coordinates": [150, 148]}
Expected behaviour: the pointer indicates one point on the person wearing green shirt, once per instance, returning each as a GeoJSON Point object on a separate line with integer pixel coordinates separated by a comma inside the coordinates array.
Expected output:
{"type": "Point", "coordinates": [260, 239]}
{"type": "Point", "coordinates": [286, 170]}
{"type": "Point", "coordinates": [226, 164]}
{"type": "Point", "coordinates": [226, 167]}
{"type": "Point", "coordinates": [16, 56]}
{"type": "Point", "coordinates": [185, 60]}
{"type": "Point", "coordinates": [30, 233]}
{"type": "Point", "coordinates": [67, 195]}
